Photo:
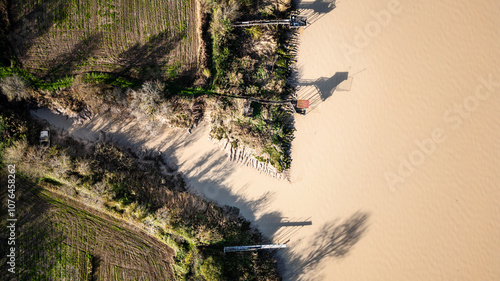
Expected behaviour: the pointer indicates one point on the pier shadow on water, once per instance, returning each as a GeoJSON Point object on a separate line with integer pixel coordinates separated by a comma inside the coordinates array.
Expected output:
{"type": "Point", "coordinates": [319, 90]}
{"type": "Point", "coordinates": [314, 10]}
{"type": "Point", "coordinates": [283, 229]}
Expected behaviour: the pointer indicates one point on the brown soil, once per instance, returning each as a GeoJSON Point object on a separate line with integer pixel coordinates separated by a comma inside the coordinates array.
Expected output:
{"type": "Point", "coordinates": [147, 41]}
{"type": "Point", "coordinates": [62, 239]}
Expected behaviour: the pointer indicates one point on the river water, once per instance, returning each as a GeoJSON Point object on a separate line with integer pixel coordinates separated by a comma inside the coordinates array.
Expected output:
{"type": "Point", "coordinates": [395, 174]}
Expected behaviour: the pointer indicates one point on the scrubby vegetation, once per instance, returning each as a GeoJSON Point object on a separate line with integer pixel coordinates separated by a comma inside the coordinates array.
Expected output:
{"type": "Point", "coordinates": [249, 63]}
{"type": "Point", "coordinates": [269, 132]}
{"type": "Point", "coordinates": [113, 180]}
{"type": "Point", "coordinates": [142, 59]}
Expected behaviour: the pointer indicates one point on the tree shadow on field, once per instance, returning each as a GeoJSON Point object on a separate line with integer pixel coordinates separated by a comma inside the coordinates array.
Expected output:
{"type": "Point", "coordinates": [30, 22]}
{"type": "Point", "coordinates": [68, 62]}
{"type": "Point", "coordinates": [147, 61]}
{"type": "Point", "coordinates": [333, 240]}
{"type": "Point", "coordinates": [6, 50]}
{"type": "Point", "coordinates": [96, 264]}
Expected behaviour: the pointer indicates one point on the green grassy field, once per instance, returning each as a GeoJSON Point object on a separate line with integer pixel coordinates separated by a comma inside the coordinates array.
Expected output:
{"type": "Point", "coordinates": [145, 39]}
{"type": "Point", "coordinates": [62, 240]}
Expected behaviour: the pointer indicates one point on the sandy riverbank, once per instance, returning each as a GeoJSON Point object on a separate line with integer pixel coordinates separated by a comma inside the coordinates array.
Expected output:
{"type": "Point", "coordinates": [394, 147]}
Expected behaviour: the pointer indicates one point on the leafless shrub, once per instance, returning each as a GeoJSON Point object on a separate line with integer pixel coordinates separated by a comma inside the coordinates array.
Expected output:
{"type": "Point", "coordinates": [15, 153]}
{"type": "Point", "coordinates": [34, 157]}
{"type": "Point", "coordinates": [60, 164]}
{"type": "Point", "coordinates": [231, 11]}
{"type": "Point", "coordinates": [30, 159]}
{"type": "Point", "coordinates": [67, 190]}
{"type": "Point", "coordinates": [14, 88]}
{"type": "Point", "coordinates": [245, 132]}
{"type": "Point", "coordinates": [164, 109]}
{"type": "Point", "coordinates": [100, 187]}
{"type": "Point", "coordinates": [148, 106]}
{"type": "Point", "coordinates": [138, 211]}
{"type": "Point", "coordinates": [83, 167]}
{"type": "Point", "coordinates": [120, 97]}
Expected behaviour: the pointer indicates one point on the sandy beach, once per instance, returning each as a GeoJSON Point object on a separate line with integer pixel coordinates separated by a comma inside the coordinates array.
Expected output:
{"type": "Point", "coordinates": [395, 174]}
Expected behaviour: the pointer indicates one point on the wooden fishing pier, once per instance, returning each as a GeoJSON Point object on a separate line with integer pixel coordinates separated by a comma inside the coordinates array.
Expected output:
{"type": "Point", "coordinates": [253, 248]}
{"type": "Point", "coordinates": [294, 21]}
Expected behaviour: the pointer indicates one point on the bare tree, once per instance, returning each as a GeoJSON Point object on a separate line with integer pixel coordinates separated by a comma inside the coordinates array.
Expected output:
{"type": "Point", "coordinates": [14, 88]}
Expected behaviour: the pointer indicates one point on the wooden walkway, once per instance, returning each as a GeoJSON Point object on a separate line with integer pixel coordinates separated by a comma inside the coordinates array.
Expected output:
{"type": "Point", "coordinates": [255, 99]}
{"type": "Point", "coordinates": [261, 101]}
{"type": "Point", "coordinates": [261, 22]}
{"type": "Point", "coordinates": [294, 21]}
